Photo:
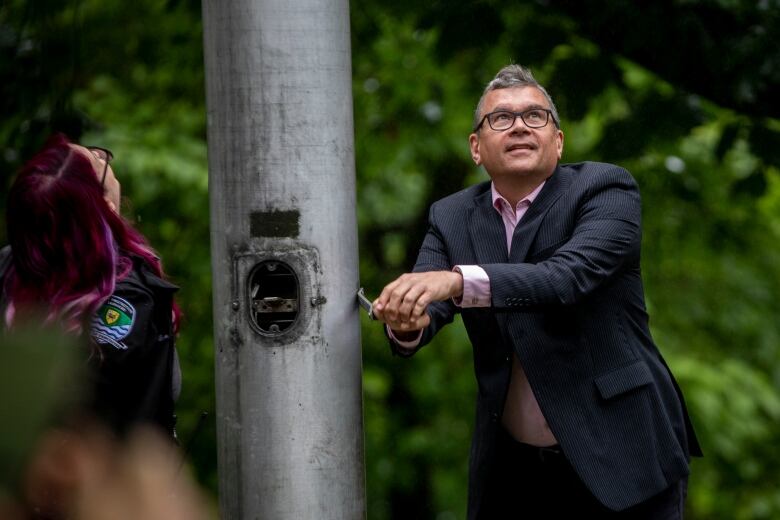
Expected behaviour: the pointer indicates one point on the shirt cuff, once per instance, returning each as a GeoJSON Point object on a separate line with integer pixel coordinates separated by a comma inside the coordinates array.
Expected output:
{"type": "Point", "coordinates": [476, 287]}
{"type": "Point", "coordinates": [405, 344]}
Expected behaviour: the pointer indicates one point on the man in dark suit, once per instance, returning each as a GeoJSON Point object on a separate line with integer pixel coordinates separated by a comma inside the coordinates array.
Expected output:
{"type": "Point", "coordinates": [577, 412]}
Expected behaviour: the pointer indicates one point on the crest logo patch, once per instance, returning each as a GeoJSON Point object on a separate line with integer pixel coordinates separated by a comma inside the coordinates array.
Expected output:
{"type": "Point", "coordinates": [111, 316]}
{"type": "Point", "coordinates": [113, 322]}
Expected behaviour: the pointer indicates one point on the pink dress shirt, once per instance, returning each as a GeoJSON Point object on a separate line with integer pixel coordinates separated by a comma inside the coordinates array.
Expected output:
{"type": "Point", "coordinates": [522, 416]}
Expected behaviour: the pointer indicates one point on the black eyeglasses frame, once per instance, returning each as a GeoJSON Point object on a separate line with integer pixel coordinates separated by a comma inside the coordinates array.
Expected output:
{"type": "Point", "coordinates": [517, 114]}
{"type": "Point", "coordinates": [103, 154]}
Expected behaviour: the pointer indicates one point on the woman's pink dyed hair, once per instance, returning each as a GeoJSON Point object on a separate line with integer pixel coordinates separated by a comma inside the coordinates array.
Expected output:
{"type": "Point", "coordinates": [69, 248]}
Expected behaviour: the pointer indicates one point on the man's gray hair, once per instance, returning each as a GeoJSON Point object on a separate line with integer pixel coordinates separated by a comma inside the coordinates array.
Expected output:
{"type": "Point", "coordinates": [514, 76]}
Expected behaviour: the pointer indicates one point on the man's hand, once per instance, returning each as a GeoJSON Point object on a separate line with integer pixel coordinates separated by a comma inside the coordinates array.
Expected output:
{"type": "Point", "coordinates": [403, 302]}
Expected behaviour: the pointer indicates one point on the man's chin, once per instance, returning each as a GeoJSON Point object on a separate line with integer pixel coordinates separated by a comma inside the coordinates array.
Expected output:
{"type": "Point", "coordinates": [522, 166]}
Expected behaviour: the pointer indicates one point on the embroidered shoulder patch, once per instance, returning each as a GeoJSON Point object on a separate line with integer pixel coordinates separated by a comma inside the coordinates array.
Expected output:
{"type": "Point", "coordinates": [113, 322]}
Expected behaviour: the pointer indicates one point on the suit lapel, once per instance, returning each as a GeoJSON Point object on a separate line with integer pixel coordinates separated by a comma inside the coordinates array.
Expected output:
{"type": "Point", "coordinates": [526, 229]}
{"type": "Point", "coordinates": [486, 230]}
{"type": "Point", "coordinates": [488, 238]}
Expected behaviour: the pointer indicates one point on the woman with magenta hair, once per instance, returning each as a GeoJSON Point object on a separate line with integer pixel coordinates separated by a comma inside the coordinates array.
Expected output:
{"type": "Point", "coordinates": [73, 260]}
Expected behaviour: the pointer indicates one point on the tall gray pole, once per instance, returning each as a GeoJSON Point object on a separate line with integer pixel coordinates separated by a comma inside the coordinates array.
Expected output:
{"type": "Point", "coordinates": [284, 259]}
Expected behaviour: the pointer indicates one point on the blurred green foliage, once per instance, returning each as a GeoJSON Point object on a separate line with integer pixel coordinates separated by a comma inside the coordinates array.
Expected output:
{"type": "Point", "coordinates": [682, 93]}
{"type": "Point", "coordinates": [39, 379]}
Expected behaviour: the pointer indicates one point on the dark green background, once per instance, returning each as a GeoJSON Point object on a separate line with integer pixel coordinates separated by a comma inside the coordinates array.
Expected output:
{"type": "Point", "coordinates": [682, 93]}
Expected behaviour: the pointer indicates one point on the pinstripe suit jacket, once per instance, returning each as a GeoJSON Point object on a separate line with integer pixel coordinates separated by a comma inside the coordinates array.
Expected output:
{"type": "Point", "coordinates": [568, 300]}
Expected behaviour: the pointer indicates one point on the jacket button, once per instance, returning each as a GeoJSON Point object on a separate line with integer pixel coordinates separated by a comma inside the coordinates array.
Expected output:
{"type": "Point", "coordinates": [494, 416]}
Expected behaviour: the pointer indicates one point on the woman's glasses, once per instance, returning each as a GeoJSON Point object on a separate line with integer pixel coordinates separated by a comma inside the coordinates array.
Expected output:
{"type": "Point", "coordinates": [105, 155]}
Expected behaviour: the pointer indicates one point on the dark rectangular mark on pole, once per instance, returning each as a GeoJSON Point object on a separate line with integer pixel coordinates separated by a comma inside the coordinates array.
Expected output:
{"type": "Point", "coordinates": [275, 223]}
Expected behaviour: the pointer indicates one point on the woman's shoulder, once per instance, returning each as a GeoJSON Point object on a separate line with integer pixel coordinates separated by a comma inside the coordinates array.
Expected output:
{"type": "Point", "coordinates": [138, 289]}
{"type": "Point", "coordinates": [142, 274]}
{"type": "Point", "coordinates": [133, 309]}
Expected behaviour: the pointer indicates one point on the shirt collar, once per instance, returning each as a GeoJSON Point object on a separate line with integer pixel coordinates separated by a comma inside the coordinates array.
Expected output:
{"type": "Point", "coordinates": [528, 199]}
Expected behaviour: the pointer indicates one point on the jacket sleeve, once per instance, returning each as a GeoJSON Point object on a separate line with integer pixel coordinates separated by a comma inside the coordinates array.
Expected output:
{"type": "Point", "coordinates": [123, 327]}
{"type": "Point", "coordinates": [125, 334]}
{"type": "Point", "coordinates": [606, 235]}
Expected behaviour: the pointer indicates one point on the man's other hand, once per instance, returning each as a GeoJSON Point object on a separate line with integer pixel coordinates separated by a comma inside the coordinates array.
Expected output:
{"type": "Point", "coordinates": [403, 302]}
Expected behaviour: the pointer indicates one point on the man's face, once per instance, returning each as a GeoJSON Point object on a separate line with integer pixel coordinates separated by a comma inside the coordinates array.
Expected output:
{"type": "Point", "coordinates": [519, 150]}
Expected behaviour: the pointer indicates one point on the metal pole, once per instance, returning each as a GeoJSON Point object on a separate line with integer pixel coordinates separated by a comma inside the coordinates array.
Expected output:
{"type": "Point", "coordinates": [284, 259]}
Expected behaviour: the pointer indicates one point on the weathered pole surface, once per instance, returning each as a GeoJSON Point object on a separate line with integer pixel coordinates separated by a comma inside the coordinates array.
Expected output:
{"type": "Point", "coordinates": [284, 259]}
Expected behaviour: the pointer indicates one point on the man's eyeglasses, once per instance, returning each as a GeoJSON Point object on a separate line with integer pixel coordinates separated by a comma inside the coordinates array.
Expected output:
{"type": "Point", "coordinates": [105, 155]}
{"type": "Point", "coordinates": [505, 119]}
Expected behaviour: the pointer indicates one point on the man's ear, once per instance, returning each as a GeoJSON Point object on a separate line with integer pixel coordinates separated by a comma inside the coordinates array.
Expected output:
{"type": "Point", "coordinates": [560, 144]}
{"type": "Point", "coordinates": [474, 148]}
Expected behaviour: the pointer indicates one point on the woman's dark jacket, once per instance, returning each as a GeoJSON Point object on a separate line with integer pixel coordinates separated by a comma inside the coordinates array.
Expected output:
{"type": "Point", "coordinates": [134, 371]}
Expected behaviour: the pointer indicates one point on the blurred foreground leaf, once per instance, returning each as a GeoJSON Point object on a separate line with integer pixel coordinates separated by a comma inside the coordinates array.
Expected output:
{"type": "Point", "coordinates": [39, 380]}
